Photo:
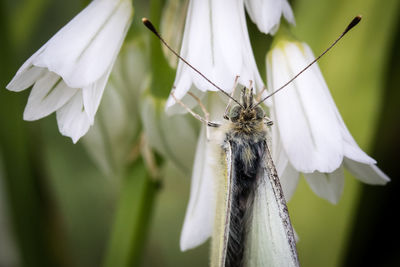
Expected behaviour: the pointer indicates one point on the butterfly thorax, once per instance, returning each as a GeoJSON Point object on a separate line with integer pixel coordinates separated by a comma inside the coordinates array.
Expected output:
{"type": "Point", "coordinates": [247, 120]}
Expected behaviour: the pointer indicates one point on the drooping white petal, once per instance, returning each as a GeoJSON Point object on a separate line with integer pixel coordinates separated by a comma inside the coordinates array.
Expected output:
{"type": "Point", "coordinates": [289, 180]}
{"type": "Point", "coordinates": [117, 124]}
{"type": "Point", "coordinates": [78, 57]}
{"type": "Point", "coordinates": [196, 47]}
{"type": "Point", "coordinates": [199, 219]}
{"type": "Point", "coordinates": [48, 94]}
{"type": "Point", "coordinates": [350, 148]}
{"type": "Point", "coordinates": [304, 114]}
{"type": "Point", "coordinates": [266, 14]}
{"type": "Point", "coordinates": [72, 119]}
{"type": "Point", "coordinates": [215, 42]}
{"type": "Point", "coordinates": [27, 74]}
{"type": "Point", "coordinates": [367, 173]}
{"type": "Point", "coordinates": [288, 12]}
{"type": "Point", "coordinates": [25, 78]}
{"type": "Point", "coordinates": [327, 185]}
{"type": "Point", "coordinates": [312, 132]}
{"type": "Point", "coordinates": [231, 44]}
{"type": "Point", "coordinates": [171, 26]}
{"type": "Point", "coordinates": [109, 139]}
{"type": "Point", "coordinates": [83, 50]}
{"type": "Point", "coordinates": [92, 95]}
{"type": "Point", "coordinates": [288, 176]}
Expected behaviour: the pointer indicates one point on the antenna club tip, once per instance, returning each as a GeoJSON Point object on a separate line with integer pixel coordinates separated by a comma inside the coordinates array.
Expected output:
{"type": "Point", "coordinates": [149, 25]}
{"type": "Point", "coordinates": [353, 23]}
{"type": "Point", "coordinates": [357, 19]}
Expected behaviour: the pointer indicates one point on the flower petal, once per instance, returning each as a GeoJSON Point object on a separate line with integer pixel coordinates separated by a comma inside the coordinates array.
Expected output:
{"type": "Point", "coordinates": [215, 42]}
{"type": "Point", "coordinates": [232, 50]}
{"type": "Point", "coordinates": [327, 185]}
{"type": "Point", "coordinates": [83, 50]}
{"type": "Point", "coordinates": [199, 219]}
{"type": "Point", "coordinates": [25, 79]}
{"type": "Point", "coordinates": [266, 14]}
{"type": "Point", "coordinates": [288, 12]}
{"type": "Point", "coordinates": [305, 115]}
{"type": "Point", "coordinates": [289, 180]}
{"type": "Point", "coordinates": [27, 74]}
{"type": "Point", "coordinates": [196, 47]}
{"type": "Point", "coordinates": [92, 95]}
{"type": "Point", "coordinates": [288, 176]}
{"type": "Point", "coordinates": [72, 119]}
{"type": "Point", "coordinates": [351, 149]}
{"type": "Point", "coordinates": [367, 173]}
{"type": "Point", "coordinates": [48, 94]}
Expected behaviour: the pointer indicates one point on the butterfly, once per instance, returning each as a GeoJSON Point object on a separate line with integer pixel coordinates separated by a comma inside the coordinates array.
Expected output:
{"type": "Point", "coordinates": [252, 226]}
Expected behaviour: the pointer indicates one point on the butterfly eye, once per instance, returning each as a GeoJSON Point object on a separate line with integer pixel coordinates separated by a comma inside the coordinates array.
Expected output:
{"type": "Point", "coordinates": [259, 113]}
{"type": "Point", "coordinates": [235, 113]}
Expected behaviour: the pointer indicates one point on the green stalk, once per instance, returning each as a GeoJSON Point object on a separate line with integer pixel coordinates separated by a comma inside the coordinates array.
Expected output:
{"type": "Point", "coordinates": [162, 73]}
{"type": "Point", "coordinates": [132, 217]}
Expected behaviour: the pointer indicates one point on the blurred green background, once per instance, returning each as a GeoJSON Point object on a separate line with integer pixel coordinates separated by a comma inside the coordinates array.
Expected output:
{"type": "Point", "coordinates": [58, 208]}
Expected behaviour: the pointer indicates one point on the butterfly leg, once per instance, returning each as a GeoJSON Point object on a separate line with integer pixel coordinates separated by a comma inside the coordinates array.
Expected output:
{"type": "Point", "coordinates": [203, 108]}
{"type": "Point", "coordinates": [230, 100]}
{"type": "Point", "coordinates": [268, 121]}
{"type": "Point", "coordinates": [197, 116]}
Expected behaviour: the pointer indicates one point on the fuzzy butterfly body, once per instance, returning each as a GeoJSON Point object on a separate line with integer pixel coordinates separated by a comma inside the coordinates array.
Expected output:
{"type": "Point", "coordinates": [251, 223]}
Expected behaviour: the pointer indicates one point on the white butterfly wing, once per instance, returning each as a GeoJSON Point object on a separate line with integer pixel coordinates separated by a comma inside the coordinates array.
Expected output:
{"type": "Point", "coordinates": [270, 240]}
{"type": "Point", "coordinates": [223, 210]}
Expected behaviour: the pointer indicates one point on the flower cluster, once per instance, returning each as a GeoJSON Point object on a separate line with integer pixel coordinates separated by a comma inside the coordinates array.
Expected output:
{"type": "Point", "coordinates": [308, 136]}
{"type": "Point", "coordinates": [69, 72]}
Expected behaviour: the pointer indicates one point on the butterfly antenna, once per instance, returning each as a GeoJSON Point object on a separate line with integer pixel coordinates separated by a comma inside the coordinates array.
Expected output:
{"type": "Point", "coordinates": [151, 27]}
{"type": "Point", "coordinates": [353, 23]}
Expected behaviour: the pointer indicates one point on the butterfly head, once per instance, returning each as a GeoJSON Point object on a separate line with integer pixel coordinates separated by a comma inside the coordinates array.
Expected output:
{"type": "Point", "coordinates": [247, 112]}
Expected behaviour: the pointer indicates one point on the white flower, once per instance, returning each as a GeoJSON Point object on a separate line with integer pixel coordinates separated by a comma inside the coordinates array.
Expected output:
{"type": "Point", "coordinates": [216, 42]}
{"type": "Point", "coordinates": [199, 219]}
{"type": "Point", "coordinates": [267, 13]}
{"type": "Point", "coordinates": [117, 123]}
{"type": "Point", "coordinates": [311, 134]}
{"type": "Point", "coordinates": [70, 71]}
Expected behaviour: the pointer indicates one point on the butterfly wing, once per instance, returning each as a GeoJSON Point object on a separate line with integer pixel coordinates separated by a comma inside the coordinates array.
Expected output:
{"type": "Point", "coordinates": [223, 210]}
{"type": "Point", "coordinates": [271, 240]}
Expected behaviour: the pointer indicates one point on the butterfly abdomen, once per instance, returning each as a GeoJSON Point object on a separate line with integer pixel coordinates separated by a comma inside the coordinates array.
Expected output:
{"type": "Point", "coordinates": [246, 157]}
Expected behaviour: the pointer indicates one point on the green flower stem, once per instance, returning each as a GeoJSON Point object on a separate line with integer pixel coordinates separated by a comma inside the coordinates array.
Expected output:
{"type": "Point", "coordinates": [162, 73]}
{"type": "Point", "coordinates": [132, 217]}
